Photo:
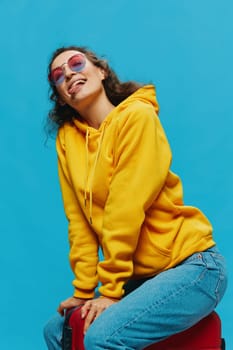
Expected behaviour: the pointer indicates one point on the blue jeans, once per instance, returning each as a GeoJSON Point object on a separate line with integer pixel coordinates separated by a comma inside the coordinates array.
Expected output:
{"type": "Point", "coordinates": [163, 305]}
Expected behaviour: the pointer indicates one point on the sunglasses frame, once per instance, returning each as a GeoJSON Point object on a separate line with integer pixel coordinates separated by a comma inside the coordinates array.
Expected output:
{"type": "Point", "coordinates": [51, 80]}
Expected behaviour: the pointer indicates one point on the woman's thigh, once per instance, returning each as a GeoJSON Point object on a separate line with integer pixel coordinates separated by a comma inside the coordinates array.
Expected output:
{"type": "Point", "coordinates": [164, 305]}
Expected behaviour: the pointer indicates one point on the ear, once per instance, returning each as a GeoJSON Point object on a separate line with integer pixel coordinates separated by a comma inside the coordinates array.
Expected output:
{"type": "Point", "coordinates": [103, 73]}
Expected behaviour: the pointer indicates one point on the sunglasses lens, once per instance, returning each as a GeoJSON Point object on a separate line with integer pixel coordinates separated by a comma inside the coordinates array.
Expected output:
{"type": "Point", "coordinates": [57, 76]}
{"type": "Point", "coordinates": [77, 62]}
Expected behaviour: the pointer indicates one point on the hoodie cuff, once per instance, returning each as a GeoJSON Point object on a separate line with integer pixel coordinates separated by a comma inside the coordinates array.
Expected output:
{"type": "Point", "coordinates": [84, 294]}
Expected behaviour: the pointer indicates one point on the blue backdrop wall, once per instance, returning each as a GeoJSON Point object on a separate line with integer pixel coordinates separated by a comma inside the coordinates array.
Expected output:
{"type": "Point", "coordinates": [185, 48]}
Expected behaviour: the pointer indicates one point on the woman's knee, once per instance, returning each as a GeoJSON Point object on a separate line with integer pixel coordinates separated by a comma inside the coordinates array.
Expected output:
{"type": "Point", "coordinates": [48, 330]}
{"type": "Point", "coordinates": [97, 336]}
{"type": "Point", "coordinates": [91, 339]}
{"type": "Point", "coordinates": [53, 329]}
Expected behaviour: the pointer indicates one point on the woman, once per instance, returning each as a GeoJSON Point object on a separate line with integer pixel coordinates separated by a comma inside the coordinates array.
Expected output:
{"type": "Point", "coordinates": [120, 195]}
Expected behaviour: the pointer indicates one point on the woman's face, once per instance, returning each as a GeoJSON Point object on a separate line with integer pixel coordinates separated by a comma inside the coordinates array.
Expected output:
{"type": "Point", "coordinates": [79, 88]}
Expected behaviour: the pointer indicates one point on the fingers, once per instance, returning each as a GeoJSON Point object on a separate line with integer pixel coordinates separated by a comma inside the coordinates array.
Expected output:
{"type": "Point", "coordinates": [85, 309]}
{"type": "Point", "coordinates": [69, 303]}
{"type": "Point", "coordinates": [61, 308]}
{"type": "Point", "coordinates": [93, 308]}
{"type": "Point", "coordinates": [90, 317]}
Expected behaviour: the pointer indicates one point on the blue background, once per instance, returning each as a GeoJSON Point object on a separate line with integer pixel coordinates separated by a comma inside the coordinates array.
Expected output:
{"type": "Point", "coordinates": [185, 48]}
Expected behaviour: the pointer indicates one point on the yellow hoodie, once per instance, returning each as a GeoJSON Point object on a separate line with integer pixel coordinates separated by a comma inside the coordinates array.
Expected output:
{"type": "Point", "coordinates": [119, 194]}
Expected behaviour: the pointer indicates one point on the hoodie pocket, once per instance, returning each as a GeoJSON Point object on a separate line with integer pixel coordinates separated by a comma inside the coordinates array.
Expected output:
{"type": "Point", "coordinates": [151, 255]}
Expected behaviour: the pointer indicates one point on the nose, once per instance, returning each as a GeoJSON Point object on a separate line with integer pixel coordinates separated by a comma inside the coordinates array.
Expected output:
{"type": "Point", "coordinates": [67, 71]}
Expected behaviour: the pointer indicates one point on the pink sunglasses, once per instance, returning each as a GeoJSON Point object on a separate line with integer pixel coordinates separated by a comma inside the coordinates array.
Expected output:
{"type": "Point", "coordinates": [76, 63]}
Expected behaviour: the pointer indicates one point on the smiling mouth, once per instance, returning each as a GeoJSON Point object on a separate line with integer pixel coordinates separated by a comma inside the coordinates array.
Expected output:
{"type": "Point", "coordinates": [76, 86]}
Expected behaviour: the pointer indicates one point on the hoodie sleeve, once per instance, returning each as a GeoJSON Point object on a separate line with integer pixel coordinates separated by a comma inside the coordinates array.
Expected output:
{"type": "Point", "coordinates": [142, 160]}
{"type": "Point", "coordinates": [83, 242]}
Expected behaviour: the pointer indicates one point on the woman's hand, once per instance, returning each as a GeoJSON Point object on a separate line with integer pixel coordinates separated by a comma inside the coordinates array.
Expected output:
{"type": "Point", "coordinates": [93, 308]}
{"type": "Point", "coordinates": [69, 303]}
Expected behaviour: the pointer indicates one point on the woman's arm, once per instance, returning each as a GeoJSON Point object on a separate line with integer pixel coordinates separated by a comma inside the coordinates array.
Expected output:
{"type": "Point", "coordinates": [83, 242]}
{"type": "Point", "coordinates": [142, 161]}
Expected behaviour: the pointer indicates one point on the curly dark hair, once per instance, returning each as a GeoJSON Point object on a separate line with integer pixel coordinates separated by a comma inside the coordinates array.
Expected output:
{"type": "Point", "coordinates": [116, 90]}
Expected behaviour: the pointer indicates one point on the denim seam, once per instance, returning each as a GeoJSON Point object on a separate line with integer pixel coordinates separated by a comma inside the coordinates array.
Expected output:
{"type": "Point", "coordinates": [221, 276]}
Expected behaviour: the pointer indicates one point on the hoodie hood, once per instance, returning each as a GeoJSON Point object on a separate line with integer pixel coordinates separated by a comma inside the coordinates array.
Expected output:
{"type": "Point", "coordinates": [146, 94]}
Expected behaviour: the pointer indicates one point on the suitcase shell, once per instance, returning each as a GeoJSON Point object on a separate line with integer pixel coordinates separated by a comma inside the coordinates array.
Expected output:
{"type": "Point", "coordinates": [205, 335]}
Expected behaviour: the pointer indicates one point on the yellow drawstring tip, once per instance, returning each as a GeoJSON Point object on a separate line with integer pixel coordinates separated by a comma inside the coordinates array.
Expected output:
{"type": "Point", "coordinates": [85, 202]}
{"type": "Point", "coordinates": [90, 220]}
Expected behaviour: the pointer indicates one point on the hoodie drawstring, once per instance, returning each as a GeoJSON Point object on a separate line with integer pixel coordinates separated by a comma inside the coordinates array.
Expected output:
{"type": "Point", "coordinates": [87, 166]}
{"type": "Point", "coordinates": [92, 173]}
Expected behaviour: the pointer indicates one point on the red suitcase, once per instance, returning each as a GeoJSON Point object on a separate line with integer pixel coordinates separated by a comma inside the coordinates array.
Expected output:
{"type": "Point", "coordinates": [205, 335]}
